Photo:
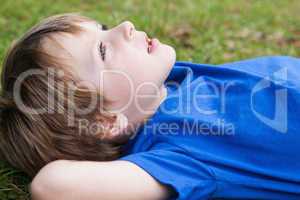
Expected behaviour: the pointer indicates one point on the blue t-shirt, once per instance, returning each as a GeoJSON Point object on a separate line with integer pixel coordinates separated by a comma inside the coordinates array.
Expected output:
{"type": "Point", "coordinates": [225, 131]}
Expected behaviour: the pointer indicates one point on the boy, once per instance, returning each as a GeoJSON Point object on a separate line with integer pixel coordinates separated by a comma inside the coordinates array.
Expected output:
{"type": "Point", "coordinates": [199, 140]}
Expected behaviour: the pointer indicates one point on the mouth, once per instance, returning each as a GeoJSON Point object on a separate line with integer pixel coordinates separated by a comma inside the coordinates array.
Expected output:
{"type": "Point", "coordinates": [151, 44]}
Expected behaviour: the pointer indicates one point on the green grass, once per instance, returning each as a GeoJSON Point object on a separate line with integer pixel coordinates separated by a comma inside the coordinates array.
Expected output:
{"type": "Point", "coordinates": [201, 31]}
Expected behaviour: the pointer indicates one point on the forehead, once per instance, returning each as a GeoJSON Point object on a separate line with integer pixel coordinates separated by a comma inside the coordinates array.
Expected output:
{"type": "Point", "coordinates": [77, 47]}
{"type": "Point", "coordinates": [78, 44]}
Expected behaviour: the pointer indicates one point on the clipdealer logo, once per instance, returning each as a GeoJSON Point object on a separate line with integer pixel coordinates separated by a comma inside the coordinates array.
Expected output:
{"type": "Point", "coordinates": [279, 121]}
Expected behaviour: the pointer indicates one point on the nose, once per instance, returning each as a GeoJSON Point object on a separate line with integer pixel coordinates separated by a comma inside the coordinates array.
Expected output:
{"type": "Point", "coordinates": [128, 30]}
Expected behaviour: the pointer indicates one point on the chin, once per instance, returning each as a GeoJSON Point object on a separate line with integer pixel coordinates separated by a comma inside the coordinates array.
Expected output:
{"type": "Point", "coordinates": [168, 59]}
{"type": "Point", "coordinates": [173, 55]}
{"type": "Point", "coordinates": [169, 55]}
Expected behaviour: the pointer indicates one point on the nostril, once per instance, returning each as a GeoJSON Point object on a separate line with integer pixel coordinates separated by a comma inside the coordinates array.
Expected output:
{"type": "Point", "coordinates": [131, 32]}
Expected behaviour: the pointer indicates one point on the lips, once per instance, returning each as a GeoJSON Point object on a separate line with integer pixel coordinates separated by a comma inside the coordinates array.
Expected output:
{"type": "Point", "coordinates": [151, 44]}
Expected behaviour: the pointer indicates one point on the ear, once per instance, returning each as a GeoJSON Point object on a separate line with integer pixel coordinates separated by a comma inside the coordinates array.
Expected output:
{"type": "Point", "coordinates": [118, 127]}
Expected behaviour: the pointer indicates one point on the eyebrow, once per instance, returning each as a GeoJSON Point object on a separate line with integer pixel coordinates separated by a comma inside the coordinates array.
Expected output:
{"type": "Point", "coordinates": [104, 27]}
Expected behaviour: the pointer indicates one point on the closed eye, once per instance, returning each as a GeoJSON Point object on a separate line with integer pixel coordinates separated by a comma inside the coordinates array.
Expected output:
{"type": "Point", "coordinates": [101, 46]}
{"type": "Point", "coordinates": [102, 50]}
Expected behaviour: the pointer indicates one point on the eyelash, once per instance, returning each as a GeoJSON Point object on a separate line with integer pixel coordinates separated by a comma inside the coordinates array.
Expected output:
{"type": "Point", "coordinates": [102, 51]}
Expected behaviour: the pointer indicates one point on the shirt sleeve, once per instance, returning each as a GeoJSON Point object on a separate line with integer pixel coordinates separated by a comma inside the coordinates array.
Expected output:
{"type": "Point", "coordinates": [188, 178]}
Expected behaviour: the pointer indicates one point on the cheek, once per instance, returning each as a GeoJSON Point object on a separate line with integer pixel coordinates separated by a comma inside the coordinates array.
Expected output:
{"type": "Point", "coordinates": [117, 85]}
{"type": "Point", "coordinates": [134, 69]}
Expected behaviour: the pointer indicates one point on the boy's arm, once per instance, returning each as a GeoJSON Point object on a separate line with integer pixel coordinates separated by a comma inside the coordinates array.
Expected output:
{"type": "Point", "coordinates": [88, 180]}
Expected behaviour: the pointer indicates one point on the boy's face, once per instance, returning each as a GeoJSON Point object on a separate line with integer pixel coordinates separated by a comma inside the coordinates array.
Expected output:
{"type": "Point", "coordinates": [118, 63]}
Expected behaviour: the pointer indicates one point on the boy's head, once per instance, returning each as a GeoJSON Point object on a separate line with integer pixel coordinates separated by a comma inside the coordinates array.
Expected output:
{"type": "Point", "coordinates": [118, 61]}
{"type": "Point", "coordinates": [66, 72]}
